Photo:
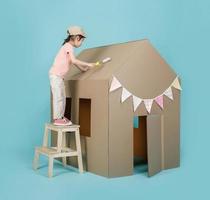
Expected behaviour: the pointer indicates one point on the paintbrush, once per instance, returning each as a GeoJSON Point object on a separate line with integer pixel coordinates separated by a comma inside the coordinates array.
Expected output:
{"type": "Point", "coordinates": [98, 63]}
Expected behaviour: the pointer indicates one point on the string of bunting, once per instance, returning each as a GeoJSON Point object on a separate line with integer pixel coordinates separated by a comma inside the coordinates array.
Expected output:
{"type": "Point", "coordinates": [115, 84]}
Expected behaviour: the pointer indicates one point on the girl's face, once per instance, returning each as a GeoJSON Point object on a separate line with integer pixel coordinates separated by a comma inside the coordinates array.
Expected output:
{"type": "Point", "coordinates": [78, 41]}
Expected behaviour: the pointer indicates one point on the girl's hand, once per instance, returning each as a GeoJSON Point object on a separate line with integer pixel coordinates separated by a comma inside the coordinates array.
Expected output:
{"type": "Point", "coordinates": [88, 66]}
{"type": "Point", "coordinates": [85, 69]}
{"type": "Point", "coordinates": [91, 65]}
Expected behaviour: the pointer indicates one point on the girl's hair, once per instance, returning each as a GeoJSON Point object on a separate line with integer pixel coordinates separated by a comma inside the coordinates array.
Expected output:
{"type": "Point", "coordinates": [72, 37]}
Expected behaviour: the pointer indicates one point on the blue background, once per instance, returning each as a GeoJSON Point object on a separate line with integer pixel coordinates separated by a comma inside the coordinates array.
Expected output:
{"type": "Point", "coordinates": [31, 33]}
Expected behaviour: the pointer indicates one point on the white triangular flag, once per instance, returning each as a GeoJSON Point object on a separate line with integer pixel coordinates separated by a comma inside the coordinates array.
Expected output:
{"type": "Point", "coordinates": [125, 94]}
{"type": "Point", "coordinates": [148, 104]}
{"type": "Point", "coordinates": [176, 84]}
{"type": "Point", "coordinates": [159, 101]}
{"type": "Point", "coordinates": [136, 102]}
{"type": "Point", "coordinates": [169, 93]}
{"type": "Point", "coordinates": [115, 84]}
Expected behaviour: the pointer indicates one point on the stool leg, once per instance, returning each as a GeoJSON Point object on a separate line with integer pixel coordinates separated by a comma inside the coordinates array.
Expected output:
{"type": "Point", "coordinates": [59, 141]}
{"type": "Point", "coordinates": [64, 145]}
{"type": "Point", "coordinates": [50, 167]}
{"type": "Point", "coordinates": [45, 139]}
{"type": "Point", "coordinates": [36, 160]}
{"type": "Point", "coordinates": [78, 146]}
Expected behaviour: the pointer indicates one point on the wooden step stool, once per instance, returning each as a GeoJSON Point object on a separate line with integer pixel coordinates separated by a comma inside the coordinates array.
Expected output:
{"type": "Point", "coordinates": [61, 150]}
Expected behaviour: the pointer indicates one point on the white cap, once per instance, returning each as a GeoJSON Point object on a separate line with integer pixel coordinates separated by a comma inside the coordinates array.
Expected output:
{"type": "Point", "coordinates": [76, 30]}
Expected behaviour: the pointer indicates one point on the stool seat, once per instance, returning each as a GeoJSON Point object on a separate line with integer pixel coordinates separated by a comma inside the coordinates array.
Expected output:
{"type": "Point", "coordinates": [61, 150]}
{"type": "Point", "coordinates": [69, 128]}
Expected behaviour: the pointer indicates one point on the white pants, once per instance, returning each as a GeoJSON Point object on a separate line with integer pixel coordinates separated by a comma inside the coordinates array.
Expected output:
{"type": "Point", "coordinates": [59, 96]}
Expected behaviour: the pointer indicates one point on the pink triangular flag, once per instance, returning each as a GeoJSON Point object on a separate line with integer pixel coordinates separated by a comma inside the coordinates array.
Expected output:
{"type": "Point", "coordinates": [159, 101]}
{"type": "Point", "coordinates": [125, 94]}
{"type": "Point", "coordinates": [148, 104]}
{"type": "Point", "coordinates": [115, 84]}
{"type": "Point", "coordinates": [176, 84]}
{"type": "Point", "coordinates": [169, 93]}
{"type": "Point", "coordinates": [136, 102]}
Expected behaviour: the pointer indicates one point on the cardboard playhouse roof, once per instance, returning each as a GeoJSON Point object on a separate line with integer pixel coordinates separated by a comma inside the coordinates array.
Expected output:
{"type": "Point", "coordinates": [136, 64]}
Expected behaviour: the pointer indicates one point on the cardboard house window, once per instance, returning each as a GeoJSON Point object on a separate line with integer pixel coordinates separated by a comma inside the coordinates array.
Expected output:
{"type": "Point", "coordinates": [140, 140]}
{"type": "Point", "coordinates": [85, 116]}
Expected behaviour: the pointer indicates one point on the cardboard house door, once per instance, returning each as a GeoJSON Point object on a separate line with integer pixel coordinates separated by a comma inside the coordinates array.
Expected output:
{"type": "Point", "coordinates": [154, 144]}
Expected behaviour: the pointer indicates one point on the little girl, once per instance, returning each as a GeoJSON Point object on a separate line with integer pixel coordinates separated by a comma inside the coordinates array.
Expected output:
{"type": "Point", "coordinates": [64, 58]}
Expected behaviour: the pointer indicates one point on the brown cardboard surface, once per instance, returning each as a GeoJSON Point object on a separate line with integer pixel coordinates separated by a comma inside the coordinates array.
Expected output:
{"type": "Point", "coordinates": [172, 132]}
{"type": "Point", "coordinates": [120, 136]}
{"type": "Point", "coordinates": [96, 145]}
{"type": "Point", "coordinates": [154, 144]}
{"type": "Point", "coordinates": [145, 73]}
{"type": "Point", "coordinates": [109, 149]}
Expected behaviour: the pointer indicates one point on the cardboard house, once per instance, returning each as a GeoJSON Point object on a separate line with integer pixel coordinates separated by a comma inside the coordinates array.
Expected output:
{"type": "Point", "coordinates": [104, 101]}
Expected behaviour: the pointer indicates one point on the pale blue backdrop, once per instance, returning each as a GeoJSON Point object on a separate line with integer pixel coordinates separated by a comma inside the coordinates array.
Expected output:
{"type": "Point", "coordinates": [31, 33]}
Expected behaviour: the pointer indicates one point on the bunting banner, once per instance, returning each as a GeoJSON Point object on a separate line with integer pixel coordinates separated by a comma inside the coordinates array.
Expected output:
{"type": "Point", "coordinates": [159, 101]}
{"type": "Point", "coordinates": [136, 102]}
{"type": "Point", "coordinates": [148, 104]}
{"type": "Point", "coordinates": [125, 95]}
{"type": "Point", "coordinates": [115, 84]}
{"type": "Point", "coordinates": [169, 93]}
{"type": "Point", "coordinates": [176, 84]}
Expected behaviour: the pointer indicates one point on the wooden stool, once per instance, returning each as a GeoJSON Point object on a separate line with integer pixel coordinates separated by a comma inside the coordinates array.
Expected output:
{"type": "Point", "coordinates": [61, 150]}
